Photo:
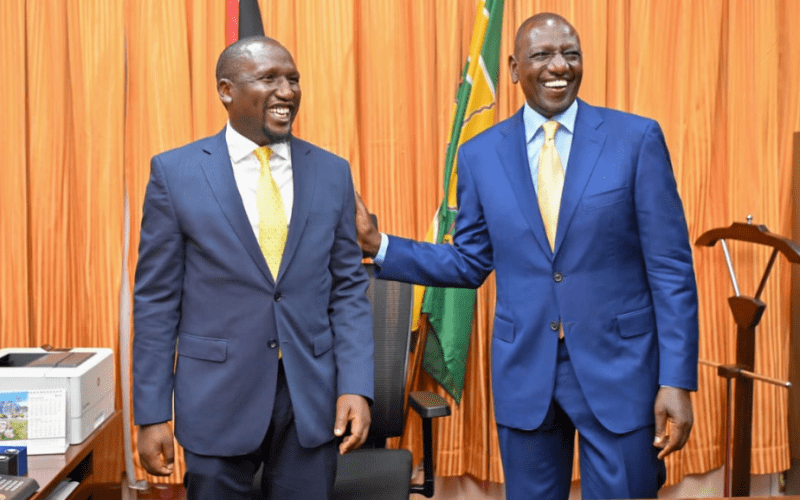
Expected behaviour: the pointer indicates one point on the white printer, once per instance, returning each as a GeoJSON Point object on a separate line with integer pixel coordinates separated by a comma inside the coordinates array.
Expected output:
{"type": "Point", "coordinates": [86, 374]}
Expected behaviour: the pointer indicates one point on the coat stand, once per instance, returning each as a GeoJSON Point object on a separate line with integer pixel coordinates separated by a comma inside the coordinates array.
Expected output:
{"type": "Point", "coordinates": [747, 312]}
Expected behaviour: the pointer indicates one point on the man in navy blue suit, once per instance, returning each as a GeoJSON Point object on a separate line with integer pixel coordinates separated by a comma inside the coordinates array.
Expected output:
{"type": "Point", "coordinates": [268, 353]}
{"type": "Point", "coordinates": [576, 209]}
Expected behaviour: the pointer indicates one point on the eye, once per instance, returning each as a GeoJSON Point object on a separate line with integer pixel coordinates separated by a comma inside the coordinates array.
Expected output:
{"type": "Point", "coordinates": [572, 55]}
{"type": "Point", "coordinates": [541, 55]}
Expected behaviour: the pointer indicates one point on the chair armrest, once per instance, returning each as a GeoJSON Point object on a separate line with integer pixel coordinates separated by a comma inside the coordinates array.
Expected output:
{"type": "Point", "coordinates": [428, 404]}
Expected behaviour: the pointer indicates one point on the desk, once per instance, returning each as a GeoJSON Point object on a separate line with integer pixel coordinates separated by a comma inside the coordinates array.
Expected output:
{"type": "Point", "coordinates": [77, 464]}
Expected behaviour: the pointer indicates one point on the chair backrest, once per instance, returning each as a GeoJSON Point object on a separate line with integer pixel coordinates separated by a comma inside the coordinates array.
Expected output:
{"type": "Point", "coordinates": [392, 303]}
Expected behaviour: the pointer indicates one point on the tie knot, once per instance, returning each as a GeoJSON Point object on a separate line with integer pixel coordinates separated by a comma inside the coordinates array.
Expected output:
{"type": "Point", "coordinates": [550, 130]}
{"type": "Point", "coordinates": [263, 153]}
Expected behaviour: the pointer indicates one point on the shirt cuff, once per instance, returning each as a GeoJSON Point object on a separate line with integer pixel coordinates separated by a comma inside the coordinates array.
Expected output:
{"type": "Point", "coordinates": [378, 259]}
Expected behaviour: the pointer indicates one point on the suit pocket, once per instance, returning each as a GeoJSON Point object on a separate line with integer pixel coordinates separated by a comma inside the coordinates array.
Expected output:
{"type": "Point", "coordinates": [605, 198]}
{"type": "Point", "coordinates": [503, 330]}
{"type": "Point", "coordinates": [204, 348]}
{"type": "Point", "coordinates": [322, 343]}
{"type": "Point", "coordinates": [636, 323]}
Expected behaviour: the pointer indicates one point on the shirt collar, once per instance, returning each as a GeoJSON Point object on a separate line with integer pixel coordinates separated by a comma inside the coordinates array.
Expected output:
{"type": "Point", "coordinates": [533, 120]}
{"type": "Point", "coordinates": [240, 146]}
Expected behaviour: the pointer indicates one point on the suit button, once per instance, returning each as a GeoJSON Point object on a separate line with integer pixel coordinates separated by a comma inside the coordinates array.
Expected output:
{"type": "Point", "coordinates": [558, 277]}
{"type": "Point", "coordinates": [278, 297]}
{"type": "Point", "coordinates": [272, 344]}
{"type": "Point", "coordinates": [554, 325]}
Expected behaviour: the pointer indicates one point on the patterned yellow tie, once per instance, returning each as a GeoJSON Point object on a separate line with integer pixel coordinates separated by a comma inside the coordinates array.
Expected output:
{"type": "Point", "coordinates": [550, 182]}
{"type": "Point", "coordinates": [272, 226]}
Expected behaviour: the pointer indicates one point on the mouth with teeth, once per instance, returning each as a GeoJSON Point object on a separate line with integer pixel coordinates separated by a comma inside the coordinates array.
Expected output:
{"type": "Point", "coordinates": [556, 84]}
{"type": "Point", "coordinates": [280, 113]}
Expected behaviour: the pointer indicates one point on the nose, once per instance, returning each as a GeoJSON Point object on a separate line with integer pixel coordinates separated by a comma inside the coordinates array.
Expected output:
{"type": "Point", "coordinates": [285, 88]}
{"type": "Point", "coordinates": [558, 63]}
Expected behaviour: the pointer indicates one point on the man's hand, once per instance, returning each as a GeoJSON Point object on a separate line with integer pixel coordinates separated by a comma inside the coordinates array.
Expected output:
{"type": "Point", "coordinates": [354, 409]}
{"type": "Point", "coordinates": [369, 239]}
{"type": "Point", "coordinates": [672, 404]}
{"type": "Point", "coordinates": [156, 449]}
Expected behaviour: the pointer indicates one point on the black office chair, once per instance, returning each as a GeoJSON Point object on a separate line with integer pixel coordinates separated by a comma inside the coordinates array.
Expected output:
{"type": "Point", "coordinates": [374, 472]}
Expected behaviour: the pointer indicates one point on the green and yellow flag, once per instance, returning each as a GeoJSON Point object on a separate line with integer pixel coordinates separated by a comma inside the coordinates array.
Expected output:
{"type": "Point", "coordinates": [450, 310]}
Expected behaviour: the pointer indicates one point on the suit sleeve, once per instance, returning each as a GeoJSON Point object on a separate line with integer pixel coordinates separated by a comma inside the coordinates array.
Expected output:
{"type": "Point", "coordinates": [156, 302]}
{"type": "Point", "coordinates": [668, 261]}
{"type": "Point", "coordinates": [464, 264]}
{"type": "Point", "coordinates": [350, 312]}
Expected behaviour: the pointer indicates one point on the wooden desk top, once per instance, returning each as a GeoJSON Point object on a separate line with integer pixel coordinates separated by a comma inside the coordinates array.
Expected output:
{"type": "Point", "coordinates": [50, 470]}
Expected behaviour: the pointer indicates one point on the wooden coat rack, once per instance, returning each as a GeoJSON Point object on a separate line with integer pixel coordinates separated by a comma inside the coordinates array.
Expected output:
{"type": "Point", "coordinates": [747, 312]}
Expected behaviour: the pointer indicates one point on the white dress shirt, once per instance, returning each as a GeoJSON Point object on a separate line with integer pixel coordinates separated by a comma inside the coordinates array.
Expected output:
{"type": "Point", "coordinates": [247, 169]}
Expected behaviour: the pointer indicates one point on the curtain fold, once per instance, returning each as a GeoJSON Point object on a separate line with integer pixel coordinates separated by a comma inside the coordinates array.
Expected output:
{"type": "Point", "coordinates": [50, 155]}
{"type": "Point", "coordinates": [96, 55]}
{"type": "Point", "coordinates": [14, 259]}
{"type": "Point", "coordinates": [98, 87]}
{"type": "Point", "coordinates": [159, 109]}
{"type": "Point", "coordinates": [206, 37]}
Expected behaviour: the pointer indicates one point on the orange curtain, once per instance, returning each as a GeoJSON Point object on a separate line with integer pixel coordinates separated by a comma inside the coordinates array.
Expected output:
{"type": "Point", "coordinates": [97, 87]}
{"type": "Point", "coordinates": [171, 99]}
{"type": "Point", "coordinates": [14, 258]}
{"type": "Point", "coordinates": [61, 210]}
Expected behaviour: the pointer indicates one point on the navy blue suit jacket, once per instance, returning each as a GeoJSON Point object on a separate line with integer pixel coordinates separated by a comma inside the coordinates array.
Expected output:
{"type": "Point", "coordinates": [620, 280]}
{"type": "Point", "coordinates": [204, 291]}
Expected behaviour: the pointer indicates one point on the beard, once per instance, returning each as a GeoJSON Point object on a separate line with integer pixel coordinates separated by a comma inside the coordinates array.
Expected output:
{"type": "Point", "coordinates": [272, 136]}
{"type": "Point", "coordinates": [275, 137]}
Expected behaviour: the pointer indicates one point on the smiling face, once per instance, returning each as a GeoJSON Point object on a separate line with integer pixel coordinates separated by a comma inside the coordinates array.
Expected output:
{"type": "Point", "coordinates": [547, 63]}
{"type": "Point", "coordinates": [260, 88]}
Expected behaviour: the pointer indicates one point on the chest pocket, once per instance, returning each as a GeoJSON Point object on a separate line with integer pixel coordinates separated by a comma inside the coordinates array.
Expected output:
{"type": "Point", "coordinates": [605, 198]}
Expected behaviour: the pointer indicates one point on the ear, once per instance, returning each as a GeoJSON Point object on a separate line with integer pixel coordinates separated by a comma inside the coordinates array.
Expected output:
{"type": "Point", "coordinates": [512, 68]}
{"type": "Point", "coordinates": [224, 88]}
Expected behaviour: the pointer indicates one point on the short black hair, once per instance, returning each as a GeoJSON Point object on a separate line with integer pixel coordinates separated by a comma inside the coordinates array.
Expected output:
{"type": "Point", "coordinates": [236, 51]}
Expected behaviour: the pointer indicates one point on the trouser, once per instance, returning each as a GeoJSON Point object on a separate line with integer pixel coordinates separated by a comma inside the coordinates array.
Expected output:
{"type": "Point", "coordinates": [538, 463]}
{"type": "Point", "coordinates": [291, 472]}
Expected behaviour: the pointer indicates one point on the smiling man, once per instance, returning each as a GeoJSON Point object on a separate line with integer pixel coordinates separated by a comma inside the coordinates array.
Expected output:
{"type": "Point", "coordinates": [576, 209]}
{"type": "Point", "coordinates": [250, 304]}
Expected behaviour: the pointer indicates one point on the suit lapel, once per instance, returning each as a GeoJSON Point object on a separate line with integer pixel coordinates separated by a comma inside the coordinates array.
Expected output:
{"type": "Point", "coordinates": [514, 158]}
{"type": "Point", "coordinates": [587, 142]}
{"type": "Point", "coordinates": [219, 173]}
{"type": "Point", "coordinates": [304, 179]}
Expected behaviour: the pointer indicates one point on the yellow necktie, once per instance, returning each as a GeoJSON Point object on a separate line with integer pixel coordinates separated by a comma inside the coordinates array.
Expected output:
{"type": "Point", "coordinates": [272, 226]}
{"type": "Point", "coordinates": [550, 182]}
